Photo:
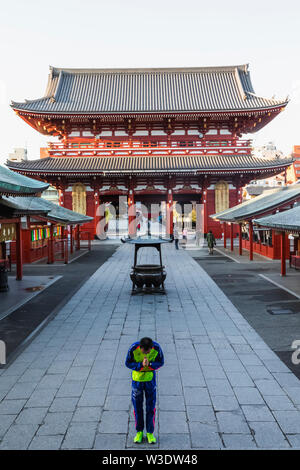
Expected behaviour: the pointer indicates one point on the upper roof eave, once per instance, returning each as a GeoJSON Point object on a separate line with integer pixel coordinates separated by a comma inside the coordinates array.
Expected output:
{"type": "Point", "coordinates": [147, 91]}
{"type": "Point", "coordinates": [127, 165]}
{"type": "Point", "coordinates": [20, 108]}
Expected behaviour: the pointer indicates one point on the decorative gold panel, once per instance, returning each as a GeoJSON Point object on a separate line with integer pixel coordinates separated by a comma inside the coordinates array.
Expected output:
{"type": "Point", "coordinates": [7, 232]}
{"type": "Point", "coordinates": [221, 196]}
{"type": "Point", "coordinates": [79, 198]}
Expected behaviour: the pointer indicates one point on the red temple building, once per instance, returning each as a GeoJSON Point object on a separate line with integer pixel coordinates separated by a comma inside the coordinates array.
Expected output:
{"type": "Point", "coordinates": [152, 136]}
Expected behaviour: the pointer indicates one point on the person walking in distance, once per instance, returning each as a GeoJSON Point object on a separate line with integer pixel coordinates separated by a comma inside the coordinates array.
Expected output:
{"type": "Point", "coordinates": [198, 237]}
{"type": "Point", "coordinates": [211, 242]}
{"type": "Point", "coordinates": [184, 236]}
{"type": "Point", "coordinates": [144, 357]}
{"type": "Point", "coordinates": [176, 236]}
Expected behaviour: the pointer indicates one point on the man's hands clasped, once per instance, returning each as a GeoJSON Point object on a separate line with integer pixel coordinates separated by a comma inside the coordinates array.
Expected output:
{"type": "Point", "coordinates": [145, 362]}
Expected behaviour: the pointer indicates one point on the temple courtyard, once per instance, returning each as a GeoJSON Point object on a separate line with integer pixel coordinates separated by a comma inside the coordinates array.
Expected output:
{"type": "Point", "coordinates": [222, 385]}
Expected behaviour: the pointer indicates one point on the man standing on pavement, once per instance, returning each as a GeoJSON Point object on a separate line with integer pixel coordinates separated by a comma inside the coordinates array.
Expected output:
{"type": "Point", "coordinates": [211, 241]}
{"type": "Point", "coordinates": [144, 357]}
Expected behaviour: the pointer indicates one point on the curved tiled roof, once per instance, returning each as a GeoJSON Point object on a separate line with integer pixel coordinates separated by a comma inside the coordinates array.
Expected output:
{"type": "Point", "coordinates": [14, 183]}
{"type": "Point", "coordinates": [286, 220]}
{"type": "Point", "coordinates": [260, 204]}
{"type": "Point", "coordinates": [88, 91]}
{"type": "Point", "coordinates": [19, 206]}
{"type": "Point", "coordinates": [144, 164]}
{"type": "Point", "coordinates": [38, 205]}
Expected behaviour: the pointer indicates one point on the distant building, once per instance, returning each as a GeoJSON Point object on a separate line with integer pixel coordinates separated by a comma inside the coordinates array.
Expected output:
{"type": "Point", "coordinates": [51, 194]}
{"type": "Point", "coordinates": [257, 187]}
{"type": "Point", "coordinates": [296, 164]}
{"type": "Point", "coordinates": [18, 155]}
{"type": "Point", "coordinates": [268, 151]}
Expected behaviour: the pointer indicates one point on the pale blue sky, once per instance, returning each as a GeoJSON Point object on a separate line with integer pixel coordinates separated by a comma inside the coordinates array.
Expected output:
{"type": "Point", "coordinates": [157, 33]}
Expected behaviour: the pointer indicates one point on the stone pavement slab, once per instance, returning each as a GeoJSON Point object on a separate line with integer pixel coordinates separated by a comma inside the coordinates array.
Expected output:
{"type": "Point", "coordinates": [221, 386]}
{"type": "Point", "coordinates": [80, 435]}
{"type": "Point", "coordinates": [46, 443]}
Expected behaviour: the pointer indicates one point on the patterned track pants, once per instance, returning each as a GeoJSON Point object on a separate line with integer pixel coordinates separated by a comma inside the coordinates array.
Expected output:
{"type": "Point", "coordinates": [137, 396]}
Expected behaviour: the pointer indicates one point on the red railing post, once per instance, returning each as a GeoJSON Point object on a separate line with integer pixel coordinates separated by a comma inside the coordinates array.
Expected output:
{"type": "Point", "coordinates": [66, 251]}
{"type": "Point", "coordinates": [71, 239]}
{"type": "Point", "coordinates": [78, 237]}
{"type": "Point", "coordinates": [250, 241]}
{"type": "Point", "coordinates": [283, 255]}
{"type": "Point", "coordinates": [51, 246]}
{"type": "Point", "coordinates": [169, 228]}
{"type": "Point", "coordinates": [240, 240]}
{"type": "Point", "coordinates": [19, 252]}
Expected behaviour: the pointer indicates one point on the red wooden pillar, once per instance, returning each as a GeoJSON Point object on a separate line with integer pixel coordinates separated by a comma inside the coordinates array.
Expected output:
{"type": "Point", "coordinates": [67, 198]}
{"type": "Point", "coordinates": [231, 236]}
{"type": "Point", "coordinates": [225, 234]}
{"type": "Point", "coordinates": [205, 215]}
{"type": "Point", "coordinates": [52, 243]}
{"type": "Point", "coordinates": [169, 228]}
{"type": "Point", "coordinates": [19, 252]}
{"type": "Point", "coordinates": [66, 249]}
{"type": "Point", "coordinates": [65, 243]}
{"type": "Point", "coordinates": [61, 198]}
{"type": "Point", "coordinates": [51, 246]}
{"type": "Point", "coordinates": [250, 241]}
{"type": "Point", "coordinates": [97, 211]}
{"type": "Point", "coordinates": [240, 240]}
{"type": "Point", "coordinates": [131, 215]}
{"type": "Point", "coordinates": [27, 255]}
{"type": "Point", "coordinates": [71, 239]}
{"type": "Point", "coordinates": [101, 221]}
{"type": "Point", "coordinates": [283, 255]}
{"type": "Point", "coordinates": [78, 237]}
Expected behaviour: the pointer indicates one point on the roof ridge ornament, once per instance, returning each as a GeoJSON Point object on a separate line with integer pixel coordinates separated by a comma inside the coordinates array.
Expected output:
{"type": "Point", "coordinates": [151, 70]}
{"type": "Point", "coordinates": [264, 98]}
{"type": "Point", "coordinates": [239, 84]}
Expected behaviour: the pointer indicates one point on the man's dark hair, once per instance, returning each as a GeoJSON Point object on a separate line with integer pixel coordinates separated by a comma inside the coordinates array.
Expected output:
{"type": "Point", "coordinates": [146, 343]}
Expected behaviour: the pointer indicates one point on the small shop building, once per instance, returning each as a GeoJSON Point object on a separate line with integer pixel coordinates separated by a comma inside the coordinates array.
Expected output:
{"type": "Point", "coordinates": [32, 228]}
{"type": "Point", "coordinates": [239, 221]}
{"type": "Point", "coordinates": [11, 185]}
{"type": "Point", "coordinates": [285, 223]}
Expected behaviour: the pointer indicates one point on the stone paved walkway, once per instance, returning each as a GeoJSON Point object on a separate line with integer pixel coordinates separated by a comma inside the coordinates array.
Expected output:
{"type": "Point", "coordinates": [221, 386]}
